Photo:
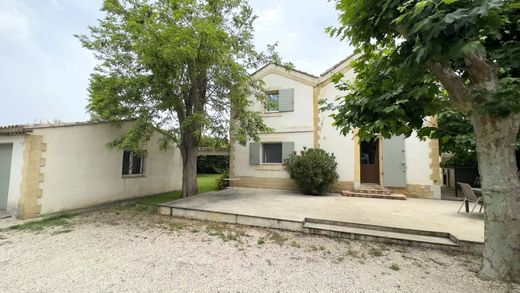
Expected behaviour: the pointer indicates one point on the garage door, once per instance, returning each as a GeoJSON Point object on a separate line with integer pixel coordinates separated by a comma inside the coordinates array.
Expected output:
{"type": "Point", "coordinates": [6, 151]}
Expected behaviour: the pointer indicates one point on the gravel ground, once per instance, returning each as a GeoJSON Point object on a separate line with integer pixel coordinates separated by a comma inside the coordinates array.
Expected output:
{"type": "Point", "coordinates": [131, 250]}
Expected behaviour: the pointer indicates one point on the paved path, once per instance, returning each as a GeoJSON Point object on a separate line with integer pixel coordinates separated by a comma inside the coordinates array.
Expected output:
{"type": "Point", "coordinates": [420, 214]}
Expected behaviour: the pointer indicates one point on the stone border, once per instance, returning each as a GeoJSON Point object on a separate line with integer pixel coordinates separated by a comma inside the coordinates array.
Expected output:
{"type": "Point", "coordinates": [32, 177]}
{"type": "Point", "coordinates": [316, 116]}
{"type": "Point", "coordinates": [298, 226]}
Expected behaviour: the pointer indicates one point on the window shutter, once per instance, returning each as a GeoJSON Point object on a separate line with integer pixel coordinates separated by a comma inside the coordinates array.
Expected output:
{"type": "Point", "coordinates": [287, 149]}
{"type": "Point", "coordinates": [286, 100]}
{"type": "Point", "coordinates": [254, 153]}
{"type": "Point", "coordinates": [394, 162]}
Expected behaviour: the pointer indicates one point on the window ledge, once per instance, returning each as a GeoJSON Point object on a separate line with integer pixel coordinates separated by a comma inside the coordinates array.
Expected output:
{"type": "Point", "coordinates": [272, 114]}
{"type": "Point", "coordinates": [132, 176]}
{"type": "Point", "coordinates": [270, 167]}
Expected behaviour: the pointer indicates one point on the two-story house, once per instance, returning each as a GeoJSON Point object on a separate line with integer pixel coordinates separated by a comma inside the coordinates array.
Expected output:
{"type": "Point", "coordinates": [408, 166]}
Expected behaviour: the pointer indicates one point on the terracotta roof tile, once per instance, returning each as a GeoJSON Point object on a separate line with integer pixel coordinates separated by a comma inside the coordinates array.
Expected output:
{"type": "Point", "coordinates": [336, 65]}
{"type": "Point", "coordinates": [27, 128]}
{"type": "Point", "coordinates": [10, 130]}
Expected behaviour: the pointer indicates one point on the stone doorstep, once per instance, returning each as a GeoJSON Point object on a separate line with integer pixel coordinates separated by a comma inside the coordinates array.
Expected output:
{"type": "Point", "coordinates": [373, 191]}
{"type": "Point", "coordinates": [372, 188]}
{"type": "Point", "coordinates": [395, 196]}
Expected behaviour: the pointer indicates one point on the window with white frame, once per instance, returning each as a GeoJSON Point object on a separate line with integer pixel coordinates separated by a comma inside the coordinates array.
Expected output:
{"type": "Point", "coordinates": [133, 163]}
{"type": "Point", "coordinates": [271, 152]}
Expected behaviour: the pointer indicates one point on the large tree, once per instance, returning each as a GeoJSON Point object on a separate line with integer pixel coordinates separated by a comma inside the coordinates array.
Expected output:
{"type": "Point", "coordinates": [176, 66]}
{"type": "Point", "coordinates": [409, 52]}
{"type": "Point", "coordinates": [457, 138]}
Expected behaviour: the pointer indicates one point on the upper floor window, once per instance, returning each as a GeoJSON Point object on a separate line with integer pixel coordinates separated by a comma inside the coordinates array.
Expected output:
{"type": "Point", "coordinates": [133, 164]}
{"type": "Point", "coordinates": [273, 102]}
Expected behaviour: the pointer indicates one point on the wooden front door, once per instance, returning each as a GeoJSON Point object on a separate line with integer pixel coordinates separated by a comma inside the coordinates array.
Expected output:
{"type": "Point", "coordinates": [369, 160]}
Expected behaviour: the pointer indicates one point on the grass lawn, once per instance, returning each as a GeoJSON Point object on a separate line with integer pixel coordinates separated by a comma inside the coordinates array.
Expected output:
{"type": "Point", "coordinates": [206, 182]}
{"type": "Point", "coordinates": [57, 220]}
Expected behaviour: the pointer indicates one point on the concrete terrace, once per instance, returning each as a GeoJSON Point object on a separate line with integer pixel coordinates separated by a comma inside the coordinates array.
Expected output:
{"type": "Point", "coordinates": [293, 208]}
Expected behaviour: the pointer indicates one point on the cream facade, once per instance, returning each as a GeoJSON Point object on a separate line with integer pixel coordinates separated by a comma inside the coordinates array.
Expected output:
{"type": "Point", "coordinates": [69, 166]}
{"type": "Point", "coordinates": [404, 165]}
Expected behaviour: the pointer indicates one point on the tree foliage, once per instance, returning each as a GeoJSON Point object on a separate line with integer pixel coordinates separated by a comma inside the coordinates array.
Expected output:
{"type": "Point", "coordinates": [401, 44]}
{"type": "Point", "coordinates": [416, 58]}
{"type": "Point", "coordinates": [180, 67]}
{"type": "Point", "coordinates": [173, 65]}
{"type": "Point", "coordinates": [214, 142]}
{"type": "Point", "coordinates": [457, 138]}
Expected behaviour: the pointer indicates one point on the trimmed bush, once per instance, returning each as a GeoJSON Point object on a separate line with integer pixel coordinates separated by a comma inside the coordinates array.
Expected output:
{"type": "Point", "coordinates": [314, 170]}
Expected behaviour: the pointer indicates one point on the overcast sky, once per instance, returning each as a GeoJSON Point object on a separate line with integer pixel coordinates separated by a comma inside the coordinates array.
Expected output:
{"type": "Point", "coordinates": [44, 71]}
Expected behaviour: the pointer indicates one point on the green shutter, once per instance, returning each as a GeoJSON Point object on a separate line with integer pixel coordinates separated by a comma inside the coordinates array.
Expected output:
{"type": "Point", "coordinates": [394, 162]}
{"type": "Point", "coordinates": [254, 153]}
{"type": "Point", "coordinates": [287, 149]}
{"type": "Point", "coordinates": [286, 100]}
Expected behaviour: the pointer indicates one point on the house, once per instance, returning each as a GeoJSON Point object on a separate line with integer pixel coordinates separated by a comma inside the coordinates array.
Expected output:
{"type": "Point", "coordinates": [408, 166]}
{"type": "Point", "coordinates": [51, 168]}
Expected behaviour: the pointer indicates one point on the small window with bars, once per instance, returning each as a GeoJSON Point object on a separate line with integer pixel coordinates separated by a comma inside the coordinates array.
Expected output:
{"type": "Point", "coordinates": [133, 163]}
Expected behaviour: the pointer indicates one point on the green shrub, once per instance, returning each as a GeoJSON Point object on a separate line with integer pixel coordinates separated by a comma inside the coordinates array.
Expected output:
{"type": "Point", "coordinates": [314, 170]}
{"type": "Point", "coordinates": [222, 183]}
{"type": "Point", "coordinates": [212, 164]}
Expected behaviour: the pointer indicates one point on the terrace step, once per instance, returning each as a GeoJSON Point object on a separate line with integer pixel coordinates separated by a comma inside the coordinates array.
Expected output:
{"type": "Point", "coordinates": [373, 189]}
{"type": "Point", "coordinates": [381, 233]}
{"type": "Point", "coordinates": [374, 195]}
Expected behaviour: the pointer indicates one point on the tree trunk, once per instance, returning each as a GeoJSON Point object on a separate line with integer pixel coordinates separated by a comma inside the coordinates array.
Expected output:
{"type": "Point", "coordinates": [189, 154]}
{"type": "Point", "coordinates": [501, 189]}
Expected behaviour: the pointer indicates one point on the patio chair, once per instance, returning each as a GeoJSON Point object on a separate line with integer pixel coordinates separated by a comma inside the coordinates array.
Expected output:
{"type": "Point", "coordinates": [469, 196]}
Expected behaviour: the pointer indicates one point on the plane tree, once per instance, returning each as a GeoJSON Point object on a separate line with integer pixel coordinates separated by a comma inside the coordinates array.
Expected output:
{"type": "Point", "coordinates": [409, 53]}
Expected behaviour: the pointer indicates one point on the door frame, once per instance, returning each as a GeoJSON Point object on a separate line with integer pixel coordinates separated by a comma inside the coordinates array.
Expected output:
{"type": "Point", "coordinates": [357, 160]}
{"type": "Point", "coordinates": [378, 162]}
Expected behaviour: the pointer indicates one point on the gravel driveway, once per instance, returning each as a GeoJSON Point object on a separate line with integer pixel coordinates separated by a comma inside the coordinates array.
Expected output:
{"type": "Point", "coordinates": [130, 250]}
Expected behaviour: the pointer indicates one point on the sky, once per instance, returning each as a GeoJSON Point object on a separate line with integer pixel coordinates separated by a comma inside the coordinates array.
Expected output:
{"type": "Point", "coordinates": [44, 71]}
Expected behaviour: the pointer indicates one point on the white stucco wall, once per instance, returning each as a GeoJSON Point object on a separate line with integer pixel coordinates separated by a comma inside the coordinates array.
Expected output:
{"type": "Point", "coordinates": [331, 140]}
{"type": "Point", "coordinates": [297, 126]}
{"type": "Point", "coordinates": [298, 120]}
{"type": "Point", "coordinates": [81, 171]}
{"type": "Point", "coordinates": [15, 180]}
